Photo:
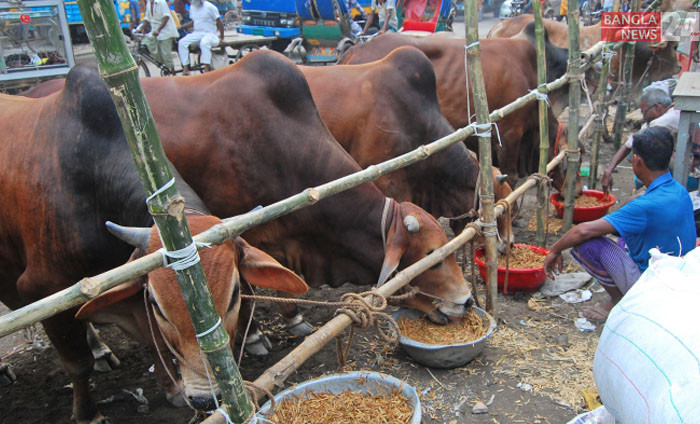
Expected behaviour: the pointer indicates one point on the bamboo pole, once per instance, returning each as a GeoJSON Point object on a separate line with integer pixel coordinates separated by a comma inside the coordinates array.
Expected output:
{"type": "Point", "coordinates": [575, 74]}
{"type": "Point", "coordinates": [544, 126]}
{"type": "Point", "coordinates": [623, 100]}
{"type": "Point", "coordinates": [165, 203]}
{"type": "Point", "coordinates": [478, 88]}
{"type": "Point", "coordinates": [601, 108]}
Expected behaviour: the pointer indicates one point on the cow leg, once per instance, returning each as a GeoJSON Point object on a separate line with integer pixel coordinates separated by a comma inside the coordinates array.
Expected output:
{"type": "Point", "coordinates": [7, 376]}
{"type": "Point", "coordinates": [256, 343]}
{"type": "Point", "coordinates": [69, 337]}
{"type": "Point", "coordinates": [296, 323]}
{"type": "Point", "coordinates": [105, 360]}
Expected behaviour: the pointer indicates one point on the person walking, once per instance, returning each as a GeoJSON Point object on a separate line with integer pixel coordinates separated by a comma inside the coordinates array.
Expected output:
{"type": "Point", "coordinates": [163, 32]}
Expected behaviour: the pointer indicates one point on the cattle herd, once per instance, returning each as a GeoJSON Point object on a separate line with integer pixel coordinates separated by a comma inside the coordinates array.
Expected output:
{"type": "Point", "coordinates": [252, 134]}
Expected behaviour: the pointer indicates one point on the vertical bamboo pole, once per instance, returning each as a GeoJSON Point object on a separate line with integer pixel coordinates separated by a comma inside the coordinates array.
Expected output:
{"type": "Point", "coordinates": [119, 71]}
{"type": "Point", "coordinates": [488, 217]}
{"type": "Point", "coordinates": [623, 100]}
{"type": "Point", "coordinates": [544, 126]}
{"type": "Point", "coordinates": [575, 75]}
{"type": "Point", "coordinates": [600, 107]}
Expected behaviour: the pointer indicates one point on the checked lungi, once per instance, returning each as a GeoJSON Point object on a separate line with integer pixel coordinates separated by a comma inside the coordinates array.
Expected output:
{"type": "Point", "coordinates": [607, 262]}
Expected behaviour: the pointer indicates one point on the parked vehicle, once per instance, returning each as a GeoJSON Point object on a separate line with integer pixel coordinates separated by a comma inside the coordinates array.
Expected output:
{"type": "Point", "coordinates": [270, 18]}
{"type": "Point", "coordinates": [325, 32]}
{"type": "Point", "coordinates": [75, 20]}
{"type": "Point", "coordinates": [34, 45]}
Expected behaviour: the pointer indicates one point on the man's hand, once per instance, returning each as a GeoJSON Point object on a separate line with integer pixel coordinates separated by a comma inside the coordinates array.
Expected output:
{"type": "Point", "coordinates": [155, 33]}
{"type": "Point", "coordinates": [553, 263]}
{"type": "Point", "coordinates": [607, 181]}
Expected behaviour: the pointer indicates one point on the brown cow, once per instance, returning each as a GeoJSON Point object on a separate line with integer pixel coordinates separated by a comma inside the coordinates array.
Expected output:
{"type": "Point", "coordinates": [224, 265]}
{"type": "Point", "coordinates": [507, 77]}
{"type": "Point", "coordinates": [65, 169]}
{"type": "Point", "coordinates": [386, 108]}
{"type": "Point", "coordinates": [655, 61]}
{"type": "Point", "coordinates": [211, 131]}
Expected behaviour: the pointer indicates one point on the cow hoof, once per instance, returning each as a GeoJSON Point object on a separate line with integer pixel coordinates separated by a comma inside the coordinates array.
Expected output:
{"type": "Point", "coordinates": [98, 419]}
{"type": "Point", "coordinates": [106, 362]}
{"type": "Point", "coordinates": [258, 344]}
{"type": "Point", "coordinates": [7, 376]}
{"type": "Point", "coordinates": [176, 399]}
{"type": "Point", "coordinates": [299, 327]}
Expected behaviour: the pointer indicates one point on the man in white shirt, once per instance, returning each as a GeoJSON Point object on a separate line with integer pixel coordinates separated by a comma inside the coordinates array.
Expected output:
{"type": "Point", "coordinates": [163, 30]}
{"type": "Point", "coordinates": [386, 12]}
{"type": "Point", "coordinates": [206, 21]}
{"type": "Point", "coordinates": [657, 111]}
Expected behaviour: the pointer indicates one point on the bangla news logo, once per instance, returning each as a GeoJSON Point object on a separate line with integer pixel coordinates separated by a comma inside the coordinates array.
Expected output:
{"type": "Point", "coordinates": [649, 26]}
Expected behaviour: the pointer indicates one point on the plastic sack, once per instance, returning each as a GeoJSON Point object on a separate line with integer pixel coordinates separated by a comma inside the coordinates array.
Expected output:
{"type": "Point", "coordinates": [599, 415]}
{"type": "Point", "coordinates": [647, 364]}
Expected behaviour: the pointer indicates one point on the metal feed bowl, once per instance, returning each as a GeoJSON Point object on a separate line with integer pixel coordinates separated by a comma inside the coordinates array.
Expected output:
{"type": "Point", "coordinates": [368, 382]}
{"type": "Point", "coordinates": [443, 356]}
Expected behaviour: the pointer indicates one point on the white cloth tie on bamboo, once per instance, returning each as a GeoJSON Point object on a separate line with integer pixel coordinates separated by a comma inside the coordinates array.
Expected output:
{"type": "Point", "coordinates": [541, 96]}
{"type": "Point", "coordinates": [161, 190]}
{"type": "Point", "coordinates": [484, 130]}
{"type": "Point", "coordinates": [209, 331]}
{"type": "Point", "coordinates": [608, 52]}
{"type": "Point", "coordinates": [184, 258]}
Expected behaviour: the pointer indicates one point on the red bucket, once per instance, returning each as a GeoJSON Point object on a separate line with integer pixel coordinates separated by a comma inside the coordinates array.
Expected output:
{"type": "Point", "coordinates": [581, 213]}
{"type": "Point", "coordinates": [519, 280]}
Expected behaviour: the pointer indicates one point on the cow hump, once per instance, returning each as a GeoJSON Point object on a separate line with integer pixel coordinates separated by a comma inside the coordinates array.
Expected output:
{"type": "Point", "coordinates": [85, 90]}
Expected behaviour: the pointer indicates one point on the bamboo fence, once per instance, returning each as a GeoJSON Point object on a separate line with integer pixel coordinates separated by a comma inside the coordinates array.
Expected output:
{"type": "Point", "coordinates": [544, 125]}
{"type": "Point", "coordinates": [475, 74]}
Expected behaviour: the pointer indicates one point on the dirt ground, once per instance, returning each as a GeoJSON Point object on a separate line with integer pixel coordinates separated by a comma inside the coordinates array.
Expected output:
{"type": "Point", "coordinates": [536, 347]}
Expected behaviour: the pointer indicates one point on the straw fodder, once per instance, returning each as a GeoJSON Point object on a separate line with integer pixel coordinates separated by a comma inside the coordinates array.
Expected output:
{"type": "Point", "coordinates": [347, 407]}
{"type": "Point", "coordinates": [470, 328]}
{"type": "Point", "coordinates": [522, 258]}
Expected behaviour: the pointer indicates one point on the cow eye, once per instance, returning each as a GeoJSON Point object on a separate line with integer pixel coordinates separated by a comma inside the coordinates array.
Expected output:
{"type": "Point", "coordinates": [155, 306]}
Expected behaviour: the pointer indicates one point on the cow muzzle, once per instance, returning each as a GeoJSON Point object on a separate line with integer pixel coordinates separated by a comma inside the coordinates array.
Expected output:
{"type": "Point", "coordinates": [203, 403]}
{"type": "Point", "coordinates": [447, 311]}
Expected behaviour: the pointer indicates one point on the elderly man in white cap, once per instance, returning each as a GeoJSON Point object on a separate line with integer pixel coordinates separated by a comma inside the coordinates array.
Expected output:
{"type": "Point", "coordinates": [206, 21]}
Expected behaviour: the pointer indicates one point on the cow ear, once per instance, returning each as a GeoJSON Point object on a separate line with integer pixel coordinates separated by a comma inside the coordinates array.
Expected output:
{"type": "Point", "coordinates": [115, 294]}
{"type": "Point", "coordinates": [110, 297]}
{"type": "Point", "coordinates": [396, 242]}
{"type": "Point", "coordinates": [262, 270]}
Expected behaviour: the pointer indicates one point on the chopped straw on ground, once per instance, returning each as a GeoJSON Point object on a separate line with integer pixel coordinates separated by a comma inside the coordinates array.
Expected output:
{"type": "Point", "coordinates": [522, 258]}
{"type": "Point", "coordinates": [344, 408]}
{"type": "Point", "coordinates": [560, 372]}
{"type": "Point", "coordinates": [470, 328]}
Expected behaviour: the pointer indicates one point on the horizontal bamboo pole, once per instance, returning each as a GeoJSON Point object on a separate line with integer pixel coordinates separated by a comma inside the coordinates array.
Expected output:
{"type": "Point", "coordinates": [90, 287]}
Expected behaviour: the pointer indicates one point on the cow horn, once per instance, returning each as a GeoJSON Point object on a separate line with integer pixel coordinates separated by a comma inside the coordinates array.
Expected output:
{"type": "Point", "coordinates": [411, 223]}
{"type": "Point", "coordinates": [135, 236]}
{"type": "Point", "coordinates": [500, 179]}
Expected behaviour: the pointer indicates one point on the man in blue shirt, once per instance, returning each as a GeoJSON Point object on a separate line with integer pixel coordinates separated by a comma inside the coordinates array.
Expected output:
{"type": "Point", "coordinates": [661, 218]}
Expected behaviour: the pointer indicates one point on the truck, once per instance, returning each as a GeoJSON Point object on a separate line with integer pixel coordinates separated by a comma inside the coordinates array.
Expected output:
{"type": "Point", "coordinates": [270, 18]}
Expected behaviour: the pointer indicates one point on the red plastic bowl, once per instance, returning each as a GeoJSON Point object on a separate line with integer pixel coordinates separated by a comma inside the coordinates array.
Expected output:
{"type": "Point", "coordinates": [583, 214]}
{"type": "Point", "coordinates": [519, 280]}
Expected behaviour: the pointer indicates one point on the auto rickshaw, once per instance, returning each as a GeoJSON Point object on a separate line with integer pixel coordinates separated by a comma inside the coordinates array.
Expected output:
{"type": "Point", "coordinates": [325, 32]}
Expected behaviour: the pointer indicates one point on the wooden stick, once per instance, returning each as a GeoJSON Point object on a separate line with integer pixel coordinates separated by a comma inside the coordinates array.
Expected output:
{"type": "Point", "coordinates": [575, 73]}
{"type": "Point", "coordinates": [624, 100]}
{"type": "Point", "coordinates": [476, 83]}
{"type": "Point", "coordinates": [544, 126]}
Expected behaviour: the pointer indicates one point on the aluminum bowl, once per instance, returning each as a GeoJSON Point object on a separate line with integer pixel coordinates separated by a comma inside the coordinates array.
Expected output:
{"type": "Point", "coordinates": [443, 356]}
{"type": "Point", "coordinates": [368, 382]}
